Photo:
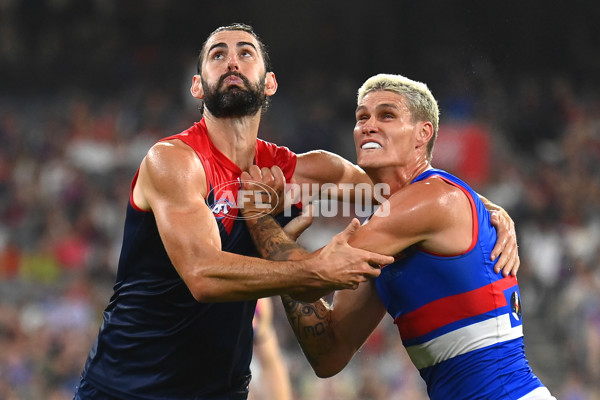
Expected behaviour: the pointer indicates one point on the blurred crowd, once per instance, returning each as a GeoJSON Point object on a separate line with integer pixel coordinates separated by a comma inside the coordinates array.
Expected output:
{"type": "Point", "coordinates": [71, 142]}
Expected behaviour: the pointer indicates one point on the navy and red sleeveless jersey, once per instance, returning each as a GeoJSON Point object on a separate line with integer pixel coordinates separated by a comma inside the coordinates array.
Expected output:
{"type": "Point", "coordinates": [460, 322]}
{"type": "Point", "coordinates": [156, 341]}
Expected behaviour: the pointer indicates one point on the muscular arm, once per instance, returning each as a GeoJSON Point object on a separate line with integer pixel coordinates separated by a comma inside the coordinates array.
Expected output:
{"type": "Point", "coordinates": [433, 214]}
{"type": "Point", "coordinates": [172, 185]}
{"type": "Point", "coordinates": [324, 167]}
{"type": "Point", "coordinates": [330, 335]}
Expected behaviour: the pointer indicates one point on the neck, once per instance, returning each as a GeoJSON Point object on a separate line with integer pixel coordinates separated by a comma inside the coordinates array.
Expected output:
{"type": "Point", "coordinates": [397, 177]}
{"type": "Point", "coordinates": [234, 137]}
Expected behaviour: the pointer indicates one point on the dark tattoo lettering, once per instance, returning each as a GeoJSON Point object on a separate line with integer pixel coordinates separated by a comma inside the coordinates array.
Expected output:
{"type": "Point", "coordinates": [307, 318]}
{"type": "Point", "coordinates": [310, 323]}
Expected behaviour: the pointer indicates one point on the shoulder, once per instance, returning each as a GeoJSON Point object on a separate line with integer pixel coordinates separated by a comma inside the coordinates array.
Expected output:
{"type": "Point", "coordinates": [429, 194]}
{"type": "Point", "coordinates": [171, 157]}
{"type": "Point", "coordinates": [170, 167]}
{"type": "Point", "coordinates": [422, 207]}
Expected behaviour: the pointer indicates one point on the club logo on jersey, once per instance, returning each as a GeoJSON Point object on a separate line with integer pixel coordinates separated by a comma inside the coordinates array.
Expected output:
{"type": "Point", "coordinates": [515, 305]}
{"type": "Point", "coordinates": [231, 197]}
{"type": "Point", "coordinates": [221, 208]}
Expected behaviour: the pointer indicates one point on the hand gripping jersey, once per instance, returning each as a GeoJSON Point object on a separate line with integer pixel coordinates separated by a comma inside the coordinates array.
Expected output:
{"type": "Point", "coordinates": [156, 341]}
{"type": "Point", "coordinates": [459, 321]}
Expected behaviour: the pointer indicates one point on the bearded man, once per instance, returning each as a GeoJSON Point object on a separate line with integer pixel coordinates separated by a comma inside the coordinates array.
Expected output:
{"type": "Point", "coordinates": [179, 323]}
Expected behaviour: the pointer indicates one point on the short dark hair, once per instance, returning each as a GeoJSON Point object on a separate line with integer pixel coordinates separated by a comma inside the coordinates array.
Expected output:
{"type": "Point", "coordinates": [237, 27]}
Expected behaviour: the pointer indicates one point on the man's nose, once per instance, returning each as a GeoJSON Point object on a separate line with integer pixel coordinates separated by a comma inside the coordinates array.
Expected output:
{"type": "Point", "coordinates": [232, 63]}
{"type": "Point", "coordinates": [368, 127]}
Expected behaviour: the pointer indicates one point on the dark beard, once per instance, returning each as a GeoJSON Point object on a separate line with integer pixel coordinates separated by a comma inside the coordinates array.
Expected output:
{"type": "Point", "coordinates": [234, 102]}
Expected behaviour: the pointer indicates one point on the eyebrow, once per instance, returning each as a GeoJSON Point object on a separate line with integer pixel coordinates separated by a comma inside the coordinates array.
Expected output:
{"type": "Point", "coordinates": [379, 106]}
{"type": "Point", "coordinates": [224, 45]}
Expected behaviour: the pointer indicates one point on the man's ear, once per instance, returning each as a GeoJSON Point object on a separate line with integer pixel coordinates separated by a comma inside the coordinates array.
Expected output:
{"type": "Point", "coordinates": [425, 133]}
{"type": "Point", "coordinates": [270, 84]}
{"type": "Point", "coordinates": [197, 90]}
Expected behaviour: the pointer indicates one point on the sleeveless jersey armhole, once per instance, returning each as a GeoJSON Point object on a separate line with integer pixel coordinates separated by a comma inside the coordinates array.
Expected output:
{"type": "Point", "coordinates": [474, 217]}
{"type": "Point", "coordinates": [133, 182]}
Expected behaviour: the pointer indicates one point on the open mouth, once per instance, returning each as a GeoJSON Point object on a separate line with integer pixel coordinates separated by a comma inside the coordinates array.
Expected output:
{"type": "Point", "coordinates": [370, 145]}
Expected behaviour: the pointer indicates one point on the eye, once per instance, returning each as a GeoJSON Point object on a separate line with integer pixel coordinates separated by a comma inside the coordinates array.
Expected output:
{"type": "Point", "coordinates": [217, 55]}
{"type": "Point", "coordinates": [246, 53]}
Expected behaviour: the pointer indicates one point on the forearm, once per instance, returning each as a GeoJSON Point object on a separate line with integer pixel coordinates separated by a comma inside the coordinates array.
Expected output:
{"type": "Point", "coordinates": [326, 168]}
{"type": "Point", "coordinates": [225, 276]}
{"type": "Point", "coordinates": [272, 242]}
{"type": "Point", "coordinates": [311, 323]}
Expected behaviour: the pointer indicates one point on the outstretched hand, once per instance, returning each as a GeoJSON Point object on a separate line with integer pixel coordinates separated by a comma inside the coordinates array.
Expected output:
{"type": "Point", "coordinates": [506, 244]}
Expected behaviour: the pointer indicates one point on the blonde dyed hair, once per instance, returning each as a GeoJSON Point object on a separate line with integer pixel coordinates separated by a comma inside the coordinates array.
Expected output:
{"type": "Point", "coordinates": [417, 96]}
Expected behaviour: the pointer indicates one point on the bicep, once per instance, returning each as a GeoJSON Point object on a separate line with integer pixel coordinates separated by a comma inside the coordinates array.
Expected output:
{"type": "Point", "coordinates": [173, 185]}
{"type": "Point", "coordinates": [417, 214]}
{"type": "Point", "coordinates": [391, 230]}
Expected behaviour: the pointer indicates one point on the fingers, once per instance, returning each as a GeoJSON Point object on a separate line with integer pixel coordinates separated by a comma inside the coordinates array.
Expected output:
{"type": "Point", "coordinates": [506, 248]}
{"type": "Point", "coordinates": [255, 173]}
{"type": "Point", "coordinates": [349, 231]}
{"type": "Point", "coordinates": [499, 247]}
{"type": "Point", "coordinates": [508, 262]}
{"type": "Point", "coordinates": [278, 178]}
{"type": "Point", "coordinates": [515, 267]}
{"type": "Point", "coordinates": [272, 177]}
{"type": "Point", "coordinates": [266, 176]}
{"type": "Point", "coordinates": [502, 230]}
{"type": "Point", "coordinates": [379, 259]}
{"type": "Point", "coordinates": [373, 259]}
{"type": "Point", "coordinates": [296, 226]}
{"type": "Point", "coordinates": [509, 266]}
{"type": "Point", "coordinates": [246, 178]}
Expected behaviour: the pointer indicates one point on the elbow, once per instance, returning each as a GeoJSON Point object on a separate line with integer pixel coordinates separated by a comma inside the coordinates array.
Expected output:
{"type": "Point", "coordinates": [326, 368]}
{"type": "Point", "coordinates": [331, 363]}
{"type": "Point", "coordinates": [202, 290]}
{"type": "Point", "coordinates": [201, 296]}
{"type": "Point", "coordinates": [326, 372]}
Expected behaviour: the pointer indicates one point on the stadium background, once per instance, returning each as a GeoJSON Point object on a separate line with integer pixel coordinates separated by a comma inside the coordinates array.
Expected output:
{"type": "Point", "coordinates": [87, 86]}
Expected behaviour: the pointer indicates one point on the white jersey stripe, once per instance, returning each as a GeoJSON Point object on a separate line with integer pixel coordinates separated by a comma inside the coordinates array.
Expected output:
{"type": "Point", "coordinates": [463, 340]}
{"type": "Point", "coordinates": [541, 393]}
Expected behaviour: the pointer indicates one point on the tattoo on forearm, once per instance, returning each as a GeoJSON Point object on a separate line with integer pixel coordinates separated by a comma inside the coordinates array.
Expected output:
{"type": "Point", "coordinates": [307, 319]}
{"type": "Point", "coordinates": [272, 242]}
{"type": "Point", "coordinates": [310, 323]}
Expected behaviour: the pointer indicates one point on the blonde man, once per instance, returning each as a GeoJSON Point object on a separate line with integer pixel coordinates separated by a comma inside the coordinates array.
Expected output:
{"type": "Point", "coordinates": [459, 319]}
